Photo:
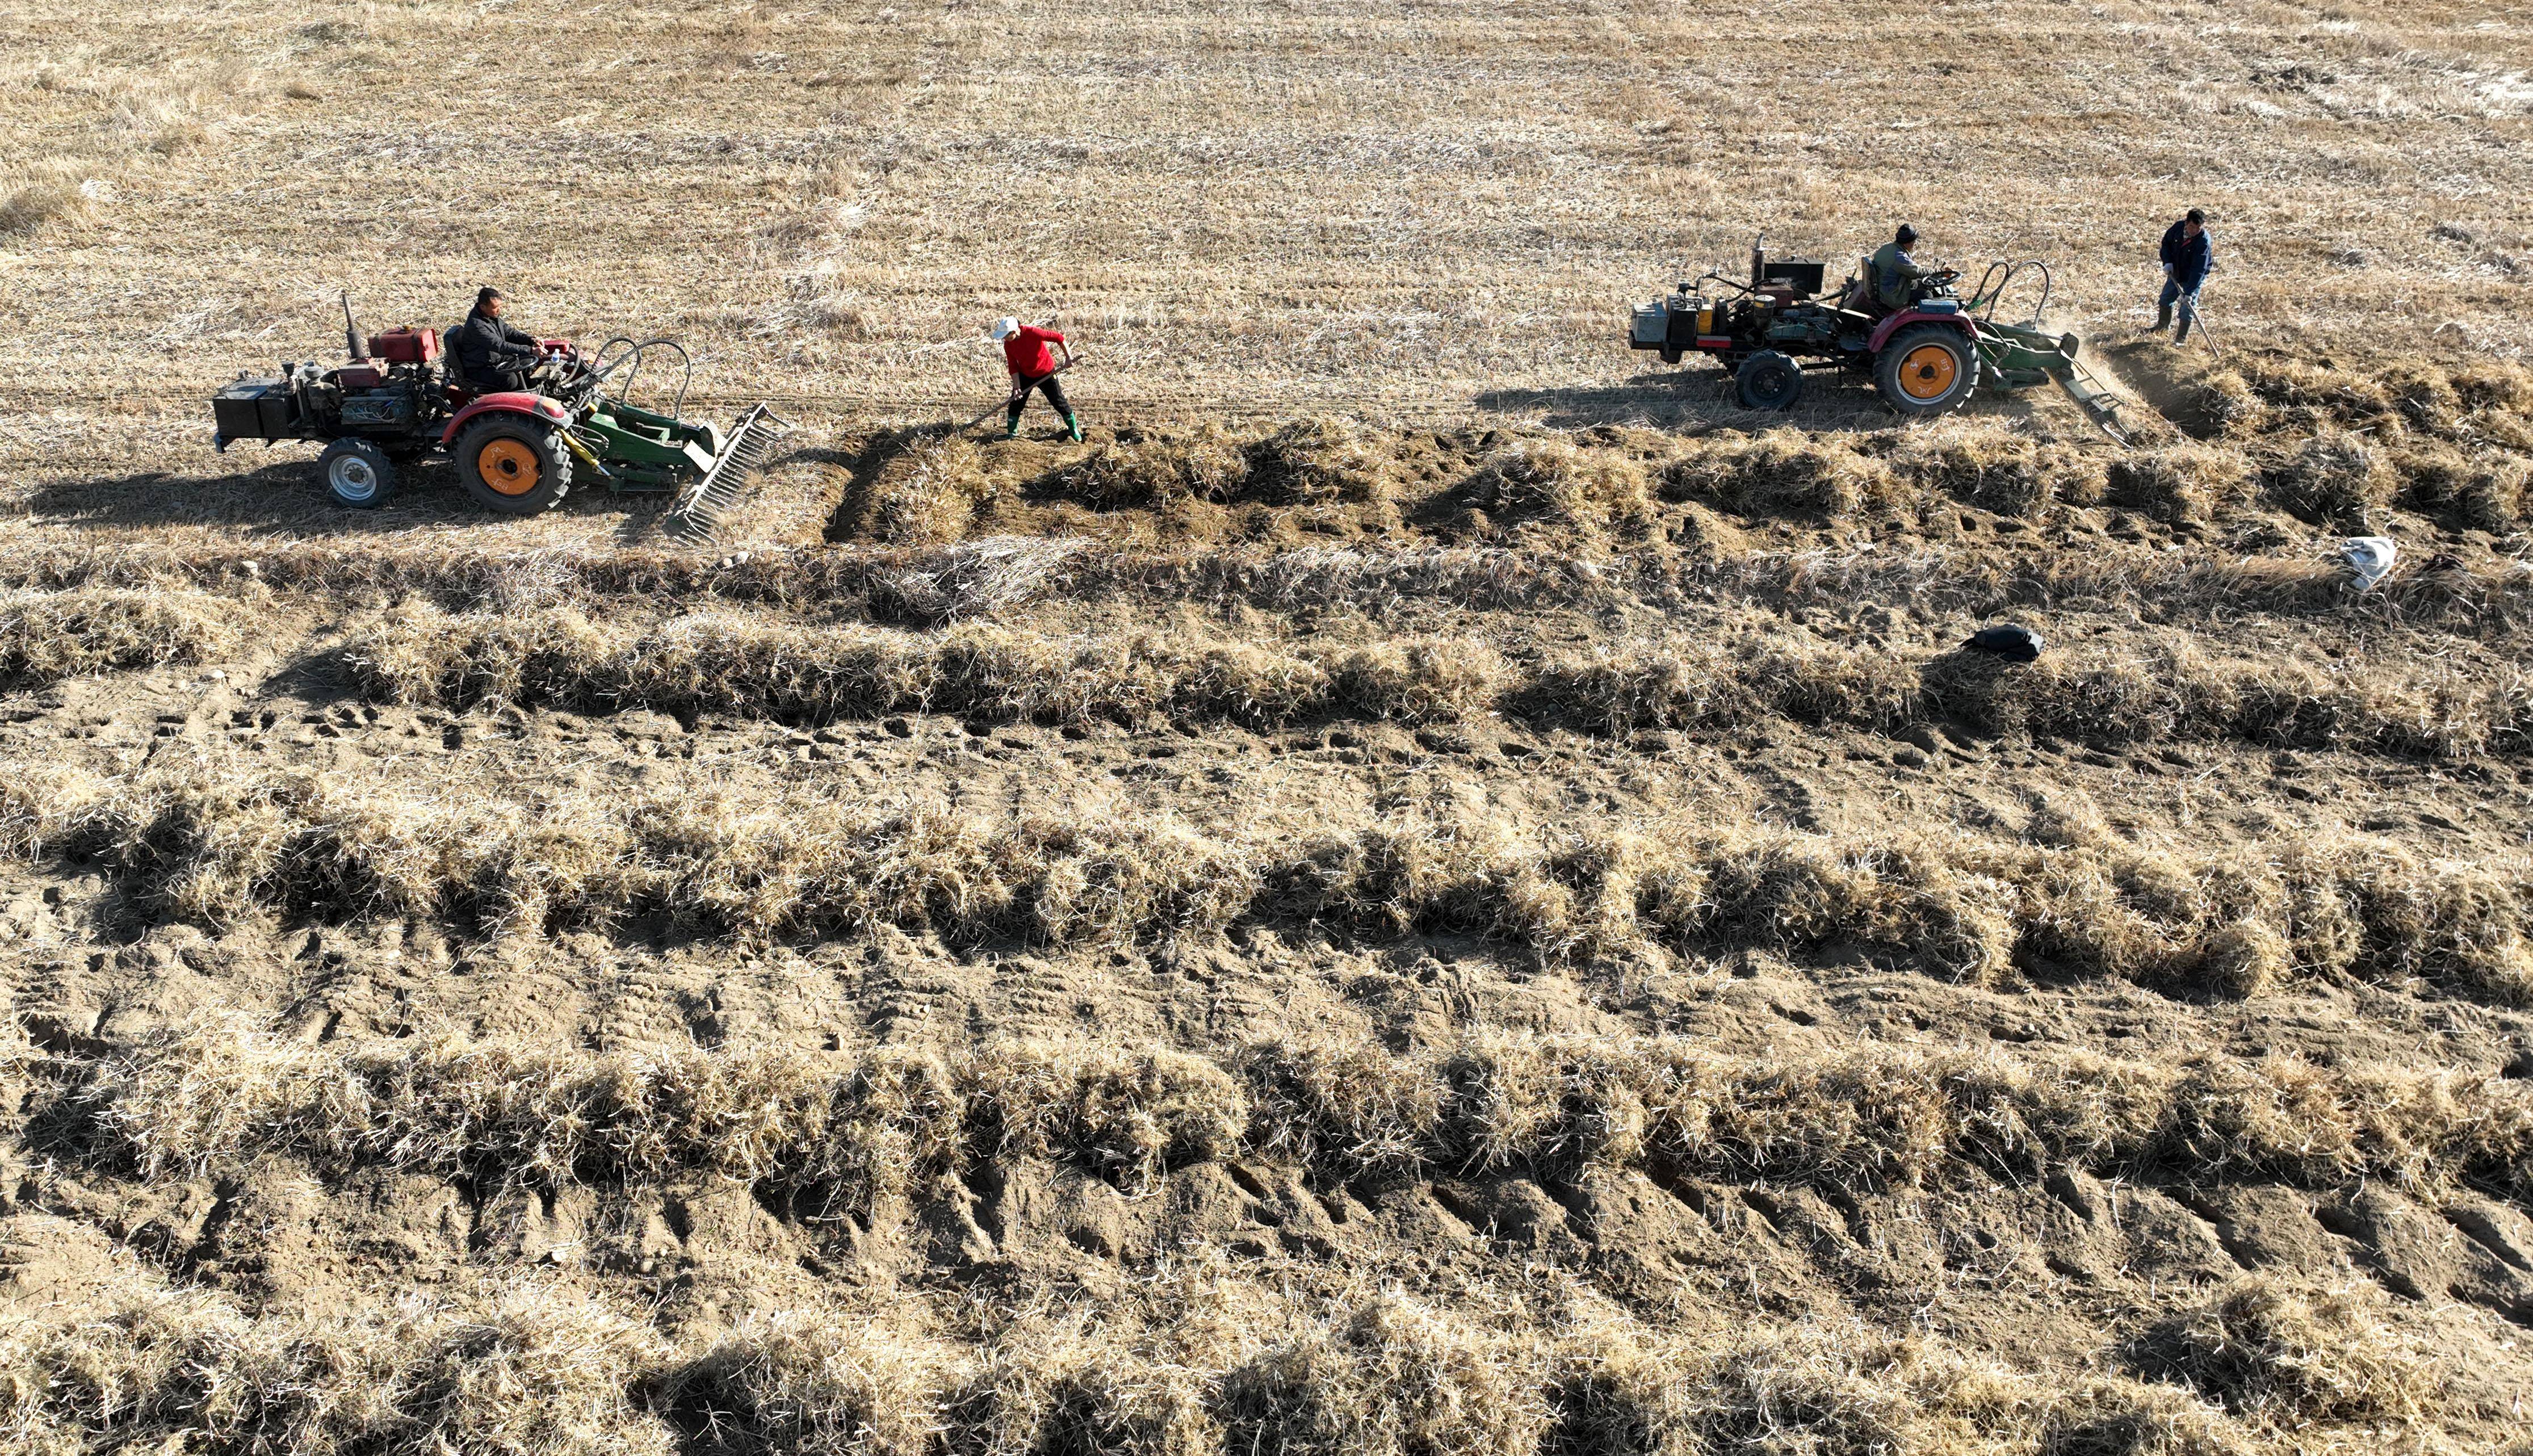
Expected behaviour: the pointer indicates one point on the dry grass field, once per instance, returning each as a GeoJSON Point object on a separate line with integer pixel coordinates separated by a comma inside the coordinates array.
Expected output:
{"type": "Point", "coordinates": [1432, 889]}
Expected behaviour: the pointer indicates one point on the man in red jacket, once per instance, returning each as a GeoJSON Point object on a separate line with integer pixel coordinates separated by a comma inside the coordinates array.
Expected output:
{"type": "Point", "coordinates": [1032, 367]}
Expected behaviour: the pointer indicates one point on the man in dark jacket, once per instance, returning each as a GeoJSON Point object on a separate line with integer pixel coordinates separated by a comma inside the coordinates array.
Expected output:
{"type": "Point", "coordinates": [2187, 258]}
{"type": "Point", "coordinates": [491, 354]}
{"type": "Point", "coordinates": [1897, 281]}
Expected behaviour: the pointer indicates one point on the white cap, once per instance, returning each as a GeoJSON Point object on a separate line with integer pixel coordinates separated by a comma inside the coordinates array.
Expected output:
{"type": "Point", "coordinates": [1005, 327]}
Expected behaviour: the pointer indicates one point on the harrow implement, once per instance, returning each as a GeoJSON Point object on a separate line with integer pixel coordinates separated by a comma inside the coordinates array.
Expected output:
{"type": "Point", "coordinates": [2021, 354]}
{"type": "Point", "coordinates": [1929, 357]}
{"type": "Point", "coordinates": [700, 508]}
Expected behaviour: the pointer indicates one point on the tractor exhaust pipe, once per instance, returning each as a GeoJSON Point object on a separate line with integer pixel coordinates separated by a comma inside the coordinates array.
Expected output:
{"type": "Point", "coordinates": [352, 344]}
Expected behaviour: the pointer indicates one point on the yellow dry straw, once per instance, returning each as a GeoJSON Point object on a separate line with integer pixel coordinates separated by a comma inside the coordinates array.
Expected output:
{"type": "Point", "coordinates": [851, 1132]}
{"type": "Point", "coordinates": [2289, 1358]}
{"type": "Point", "coordinates": [47, 637]}
{"type": "Point", "coordinates": [199, 843]}
{"type": "Point", "coordinates": [1971, 578]}
{"type": "Point", "coordinates": [719, 664]}
{"type": "Point", "coordinates": [531, 1369]}
{"type": "Point", "coordinates": [535, 1369]}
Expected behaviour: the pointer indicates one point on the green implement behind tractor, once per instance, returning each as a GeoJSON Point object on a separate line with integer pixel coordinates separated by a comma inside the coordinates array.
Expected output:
{"type": "Point", "coordinates": [634, 449]}
{"type": "Point", "coordinates": [2021, 356]}
{"type": "Point", "coordinates": [518, 450]}
{"type": "Point", "coordinates": [1927, 358]}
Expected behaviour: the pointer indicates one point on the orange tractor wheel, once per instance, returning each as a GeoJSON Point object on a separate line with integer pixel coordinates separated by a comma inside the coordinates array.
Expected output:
{"type": "Point", "coordinates": [514, 464]}
{"type": "Point", "coordinates": [1927, 369]}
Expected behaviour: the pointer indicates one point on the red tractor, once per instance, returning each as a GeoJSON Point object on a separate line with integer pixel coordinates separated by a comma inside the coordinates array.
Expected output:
{"type": "Point", "coordinates": [1927, 358]}
{"type": "Point", "coordinates": [517, 452]}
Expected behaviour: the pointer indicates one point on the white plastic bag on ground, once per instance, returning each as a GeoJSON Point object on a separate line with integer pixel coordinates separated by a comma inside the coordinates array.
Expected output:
{"type": "Point", "coordinates": [2370, 557]}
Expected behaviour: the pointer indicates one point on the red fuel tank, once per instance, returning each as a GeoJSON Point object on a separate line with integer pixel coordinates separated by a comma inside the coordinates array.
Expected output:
{"type": "Point", "coordinates": [405, 345]}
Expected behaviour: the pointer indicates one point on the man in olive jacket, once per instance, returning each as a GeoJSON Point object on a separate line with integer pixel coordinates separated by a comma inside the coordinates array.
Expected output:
{"type": "Point", "coordinates": [1896, 275]}
{"type": "Point", "coordinates": [491, 354]}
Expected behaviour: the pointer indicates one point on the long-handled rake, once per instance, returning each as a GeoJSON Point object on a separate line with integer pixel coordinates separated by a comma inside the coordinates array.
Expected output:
{"type": "Point", "coordinates": [2198, 321]}
{"type": "Point", "coordinates": [1018, 392]}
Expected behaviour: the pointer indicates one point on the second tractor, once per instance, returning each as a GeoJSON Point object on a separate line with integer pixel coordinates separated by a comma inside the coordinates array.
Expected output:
{"type": "Point", "coordinates": [1928, 358]}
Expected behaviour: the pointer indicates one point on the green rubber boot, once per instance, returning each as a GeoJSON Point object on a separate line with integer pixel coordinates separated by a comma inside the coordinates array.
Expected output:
{"type": "Point", "coordinates": [1073, 424]}
{"type": "Point", "coordinates": [1011, 427]}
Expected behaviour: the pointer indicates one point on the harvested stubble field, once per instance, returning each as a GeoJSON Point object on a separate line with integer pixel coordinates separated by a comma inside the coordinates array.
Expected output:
{"type": "Point", "coordinates": [1424, 893]}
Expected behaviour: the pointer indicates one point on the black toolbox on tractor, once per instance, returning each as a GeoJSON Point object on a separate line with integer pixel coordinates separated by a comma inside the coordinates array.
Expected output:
{"type": "Point", "coordinates": [1799, 275]}
{"type": "Point", "coordinates": [256, 409]}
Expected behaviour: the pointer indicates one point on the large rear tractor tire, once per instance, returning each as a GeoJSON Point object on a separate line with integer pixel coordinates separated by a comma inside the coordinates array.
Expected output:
{"type": "Point", "coordinates": [358, 474]}
{"type": "Point", "coordinates": [1927, 369]}
{"type": "Point", "coordinates": [1769, 380]}
{"type": "Point", "coordinates": [514, 464]}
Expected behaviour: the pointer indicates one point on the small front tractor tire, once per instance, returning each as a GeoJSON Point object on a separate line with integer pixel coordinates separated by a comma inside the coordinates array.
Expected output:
{"type": "Point", "coordinates": [1769, 380]}
{"type": "Point", "coordinates": [1927, 369]}
{"type": "Point", "coordinates": [514, 464]}
{"type": "Point", "coordinates": [358, 474]}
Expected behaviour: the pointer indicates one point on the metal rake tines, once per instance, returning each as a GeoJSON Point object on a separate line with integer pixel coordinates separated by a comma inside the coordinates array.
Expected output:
{"type": "Point", "coordinates": [689, 525]}
{"type": "Point", "coordinates": [2098, 402]}
{"type": "Point", "coordinates": [697, 514]}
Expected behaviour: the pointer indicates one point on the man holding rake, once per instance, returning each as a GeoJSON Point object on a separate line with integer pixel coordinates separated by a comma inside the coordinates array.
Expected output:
{"type": "Point", "coordinates": [2187, 258]}
{"type": "Point", "coordinates": [1033, 366]}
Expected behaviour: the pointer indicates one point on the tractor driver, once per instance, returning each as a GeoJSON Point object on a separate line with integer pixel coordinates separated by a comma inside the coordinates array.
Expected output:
{"type": "Point", "coordinates": [491, 354]}
{"type": "Point", "coordinates": [1897, 281]}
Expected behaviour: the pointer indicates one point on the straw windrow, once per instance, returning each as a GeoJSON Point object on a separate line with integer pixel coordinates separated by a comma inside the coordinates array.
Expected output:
{"type": "Point", "coordinates": [210, 847]}
{"type": "Point", "coordinates": [2160, 691]}
{"type": "Point", "coordinates": [851, 1132]}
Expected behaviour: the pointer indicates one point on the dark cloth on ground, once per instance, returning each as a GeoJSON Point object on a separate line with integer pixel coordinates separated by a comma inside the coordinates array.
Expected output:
{"type": "Point", "coordinates": [2012, 643]}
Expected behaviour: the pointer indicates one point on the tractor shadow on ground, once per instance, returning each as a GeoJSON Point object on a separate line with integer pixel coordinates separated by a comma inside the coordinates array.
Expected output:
{"type": "Point", "coordinates": [1704, 404]}
{"type": "Point", "coordinates": [287, 496]}
{"type": "Point", "coordinates": [1689, 402]}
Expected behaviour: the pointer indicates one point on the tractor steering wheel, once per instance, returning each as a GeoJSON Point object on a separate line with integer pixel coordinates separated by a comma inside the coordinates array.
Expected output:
{"type": "Point", "coordinates": [558, 362]}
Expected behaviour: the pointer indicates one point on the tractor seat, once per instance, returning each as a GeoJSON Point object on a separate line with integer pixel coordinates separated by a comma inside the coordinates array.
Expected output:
{"type": "Point", "coordinates": [1862, 298]}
